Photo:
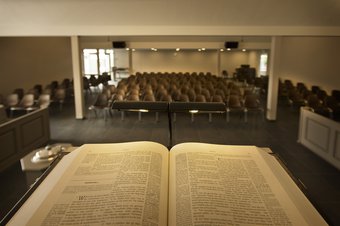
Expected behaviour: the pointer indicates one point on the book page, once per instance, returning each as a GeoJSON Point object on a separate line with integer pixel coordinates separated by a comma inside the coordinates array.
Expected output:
{"type": "Point", "coordinates": [105, 184]}
{"type": "Point", "coordinates": [232, 185]}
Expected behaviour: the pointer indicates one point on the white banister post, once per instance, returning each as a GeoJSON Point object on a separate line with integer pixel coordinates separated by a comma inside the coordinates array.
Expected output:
{"type": "Point", "coordinates": [77, 79]}
{"type": "Point", "coordinates": [273, 82]}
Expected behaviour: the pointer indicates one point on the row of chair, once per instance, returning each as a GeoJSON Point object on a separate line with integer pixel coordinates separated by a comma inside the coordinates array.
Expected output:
{"type": "Point", "coordinates": [37, 97]}
{"type": "Point", "coordinates": [102, 104]}
{"type": "Point", "coordinates": [153, 88]}
{"type": "Point", "coordinates": [315, 98]}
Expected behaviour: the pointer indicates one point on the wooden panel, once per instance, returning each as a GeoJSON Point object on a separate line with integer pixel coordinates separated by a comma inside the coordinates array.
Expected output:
{"type": "Point", "coordinates": [317, 134]}
{"type": "Point", "coordinates": [8, 144]}
{"type": "Point", "coordinates": [321, 135]}
{"type": "Point", "coordinates": [32, 131]}
{"type": "Point", "coordinates": [21, 135]}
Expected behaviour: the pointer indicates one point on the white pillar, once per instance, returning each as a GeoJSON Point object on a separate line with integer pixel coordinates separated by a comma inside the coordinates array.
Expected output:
{"type": "Point", "coordinates": [77, 79]}
{"type": "Point", "coordinates": [273, 83]}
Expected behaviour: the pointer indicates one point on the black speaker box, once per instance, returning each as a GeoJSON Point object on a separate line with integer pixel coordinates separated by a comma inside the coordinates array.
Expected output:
{"type": "Point", "coordinates": [231, 45]}
{"type": "Point", "coordinates": [119, 45]}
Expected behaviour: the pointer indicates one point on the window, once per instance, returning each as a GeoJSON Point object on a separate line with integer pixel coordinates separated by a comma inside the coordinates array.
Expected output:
{"type": "Point", "coordinates": [98, 61]}
{"type": "Point", "coordinates": [263, 63]}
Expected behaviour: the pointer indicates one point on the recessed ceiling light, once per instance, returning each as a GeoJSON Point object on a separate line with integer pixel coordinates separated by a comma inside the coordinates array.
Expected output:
{"type": "Point", "coordinates": [221, 50]}
{"type": "Point", "coordinates": [178, 49]}
{"type": "Point", "coordinates": [228, 49]}
{"type": "Point", "coordinates": [127, 49]}
{"type": "Point", "coordinates": [203, 49]}
{"type": "Point", "coordinates": [199, 50]}
{"type": "Point", "coordinates": [243, 50]}
{"type": "Point", "coordinates": [133, 50]}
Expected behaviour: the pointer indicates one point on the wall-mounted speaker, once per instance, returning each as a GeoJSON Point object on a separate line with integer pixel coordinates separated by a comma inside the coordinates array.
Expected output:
{"type": "Point", "coordinates": [231, 45]}
{"type": "Point", "coordinates": [119, 45]}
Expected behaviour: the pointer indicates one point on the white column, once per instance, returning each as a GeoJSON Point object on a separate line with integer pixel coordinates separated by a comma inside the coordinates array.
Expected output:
{"type": "Point", "coordinates": [77, 79]}
{"type": "Point", "coordinates": [273, 83]}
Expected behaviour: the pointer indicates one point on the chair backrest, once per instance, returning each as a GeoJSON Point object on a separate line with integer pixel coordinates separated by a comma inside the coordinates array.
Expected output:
{"type": "Point", "coordinates": [148, 92]}
{"type": "Point", "coordinates": [217, 98]}
{"type": "Point", "coordinates": [47, 91]}
{"type": "Point", "coordinates": [35, 93]}
{"type": "Point", "coordinates": [12, 100]}
{"type": "Point", "coordinates": [198, 89]}
{"type": "Point", "coordinates": [235, 91]}
{"type": "Point", "coordinates": [118, 97]}
{"type": "Point", "coordinates": [134, 92]}
{"type": "Point", "coordinates": [206, 93]}
{"type": "Point", "coordinates": [27, 100]}
{"type": "Point", "coordinates": [120, 92]}
{"type": "Point", "coordinates": [176, 95]}
{"type": "Point", "coordinates": [149, 97]}
{"type": "Point", "coordinates": [166, 98]}
{"type": "Point", "coordinates": [251, 101]}
{"type": "Point", "coordinates": [220, 92]}
{"type": "Point", "coordinates": [101, 101]}
{"type": "Point", "coordinates": [184, 98]}
{"type": "Point", "coordinates": [93, 81]}
{"type": "Point", "coordinates": [44, 100]}
{"type": "Point", "coordinates": [184, 89]}
{"type": "Point", "coordinates": [107, 92]}
{"type": "Point", "coordinates": [133, 97]}
{"type": "Point", "coordinates": [313, 101]}
{"type": "Point", "coordinates": [60, 94]}
{"type": "Point", "coordinates": [200, 98]}
{"type": "Point", "coordinates": [112, 88]}
{"type": "Point", "coordinates": [192, 95]}
{"type": "Point", "coordinates": [234, 101]}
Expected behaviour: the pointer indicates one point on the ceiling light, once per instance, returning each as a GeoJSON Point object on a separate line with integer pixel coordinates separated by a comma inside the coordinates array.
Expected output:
{"type": "Point", "coordinates": [243, 50]}
{"type": "Point", "coordinates": [178, 49]}
{"type": "Point", "coordinates": [127, 49]}
{"type": "Point", "coordinates": [133, 50]}
{"type": "Point", "coordinates": [228, 49]}
{"type": "Point", "coordinates": [143, 110]}
{"type": "Point", "coordinates": [199, 50]}
{"type": "Point", "coordinates": [203, 49]}
{"type": "Point", "coordinates": [221, 50]}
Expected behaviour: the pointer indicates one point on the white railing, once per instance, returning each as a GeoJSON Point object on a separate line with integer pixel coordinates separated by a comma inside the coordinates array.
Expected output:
{"type": "Point", "coordinates": [321, 135]}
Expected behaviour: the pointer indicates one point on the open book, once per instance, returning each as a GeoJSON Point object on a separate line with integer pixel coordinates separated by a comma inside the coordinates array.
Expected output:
{"type": "Point", "coordinates": [142, 183]}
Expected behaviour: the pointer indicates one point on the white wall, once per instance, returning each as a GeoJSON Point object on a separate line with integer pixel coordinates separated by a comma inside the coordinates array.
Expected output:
{"type": "Point", "coordinates": [230, 60]}
{"type": "Point", "coordinates": [172, 61]}
{"type": "Point", "coordinates": [121, 58]}
{"type": "Point", "coordinates": [312, 60]}
{"type": "Point", "coordinates": [25, 62]}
